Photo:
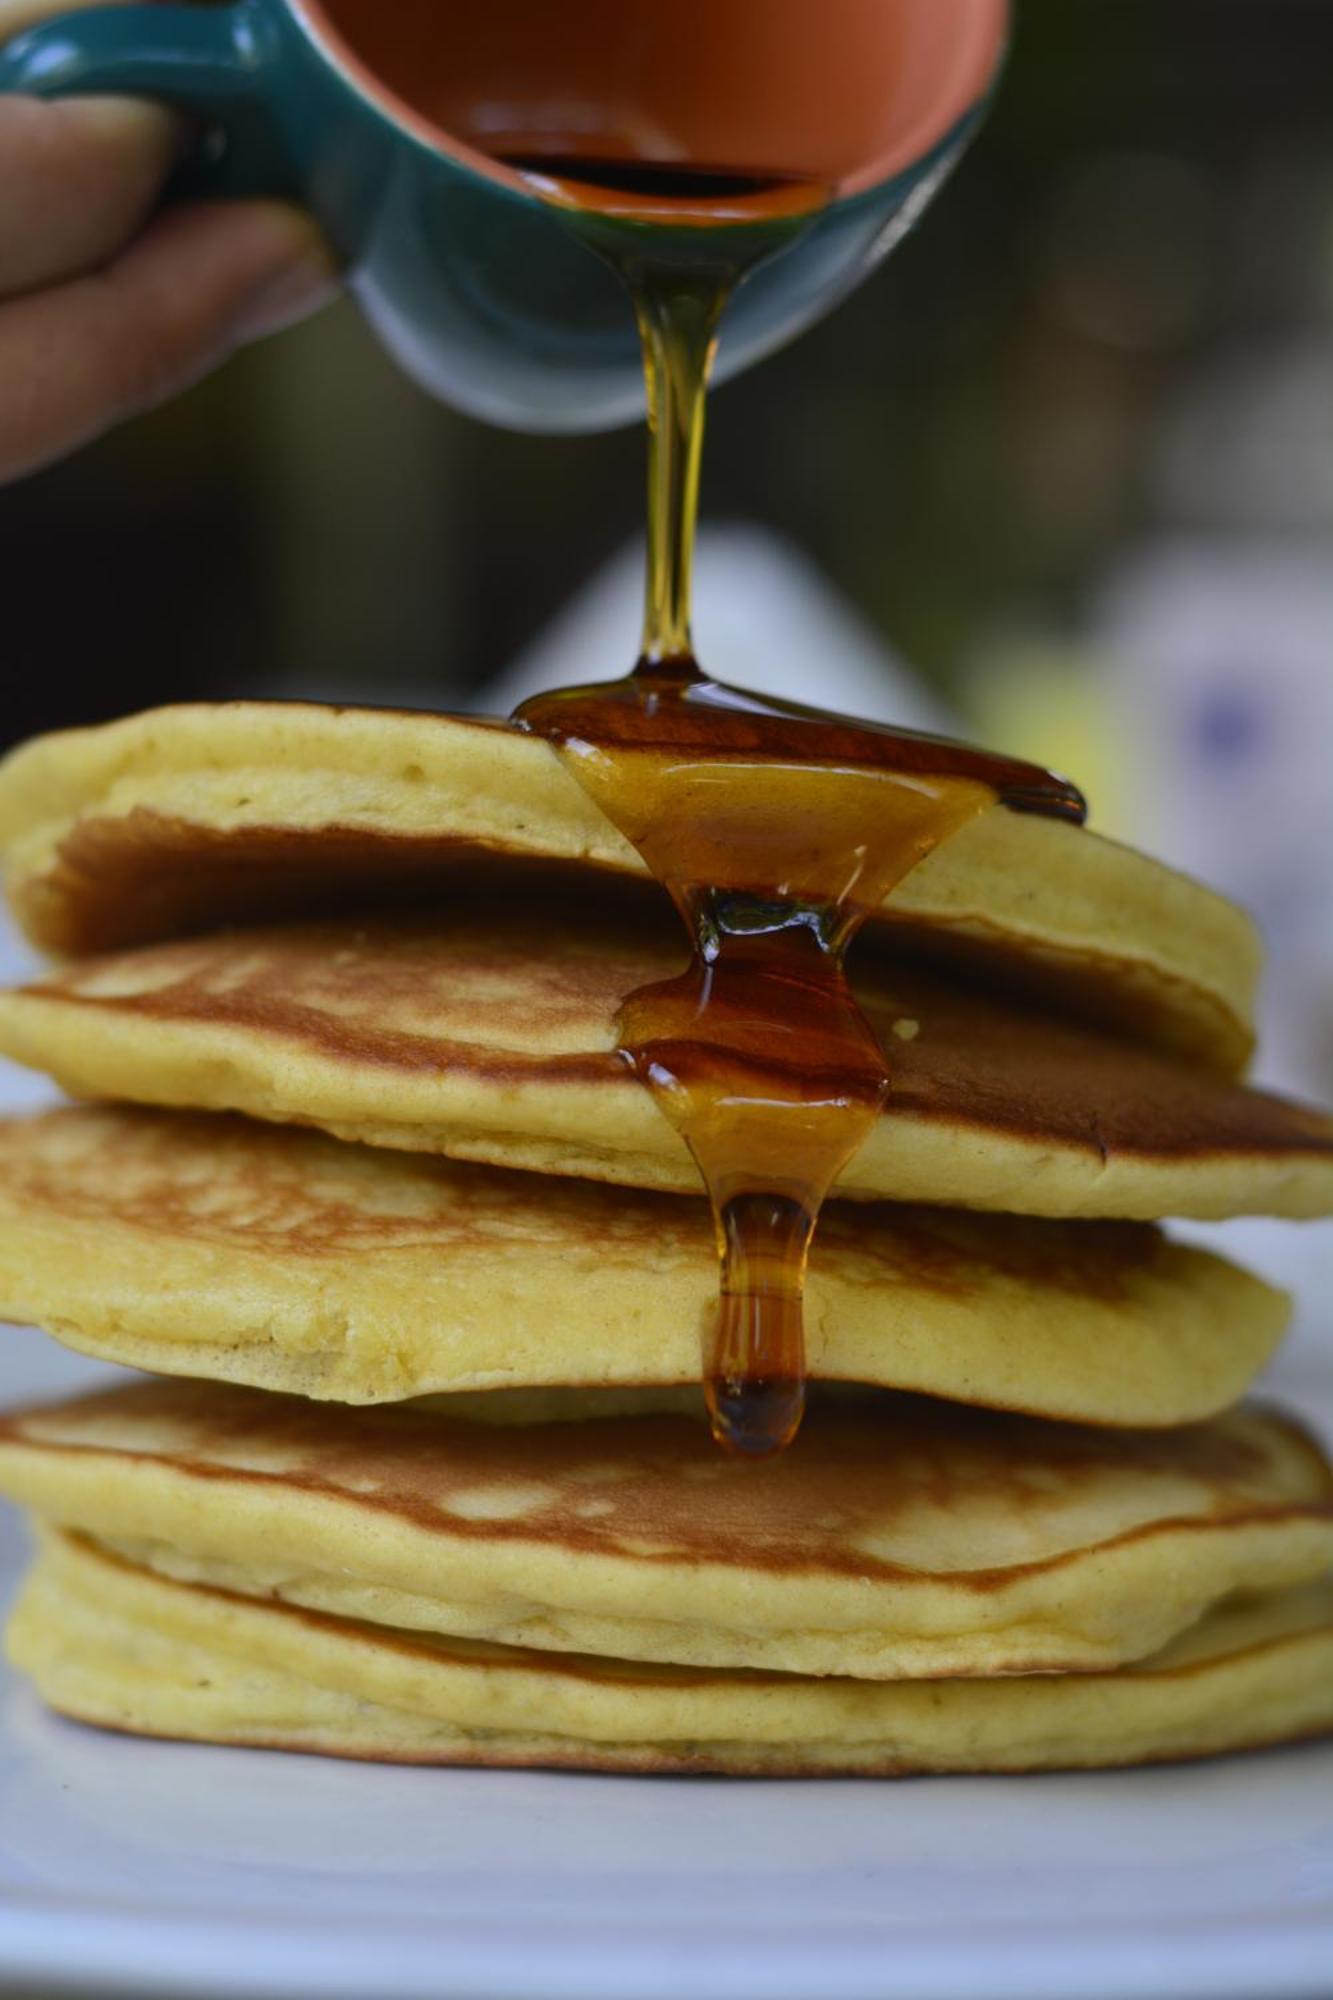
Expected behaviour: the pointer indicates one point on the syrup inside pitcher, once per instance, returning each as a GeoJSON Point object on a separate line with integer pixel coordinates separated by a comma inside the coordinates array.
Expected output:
{"type": "Point", "coordinates": [845, 93]}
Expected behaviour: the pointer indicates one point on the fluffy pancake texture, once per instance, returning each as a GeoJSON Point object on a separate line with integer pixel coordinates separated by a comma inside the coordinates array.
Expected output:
{"type": "Point", "coordinates": [897, 1539]}
{"type": "Point", "coordinates": [190, 816]}
{"type": "Point", "coordinates": [115, 1644]}
{"type": "Point", "coordinates": [212, 1246]}
{"type": "Point", "coordinates": [490, 1034]}
{"type": "Point", "coordinates": [449, 1496]}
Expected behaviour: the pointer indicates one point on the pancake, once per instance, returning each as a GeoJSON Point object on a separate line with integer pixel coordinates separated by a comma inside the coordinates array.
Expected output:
{"type": "Point", "coordinates": [184, 818]}
{"type": "Point", "coordinates": [111, 1643]}
{"type": "Point", "coordinates": [898, 1538]}
{"type": "Point", "coordinates": [116, 1645]}
{"type": "Point", "coordinates": [490, 1034]}
{"type": "Point", "coordinates": [211, 1246]}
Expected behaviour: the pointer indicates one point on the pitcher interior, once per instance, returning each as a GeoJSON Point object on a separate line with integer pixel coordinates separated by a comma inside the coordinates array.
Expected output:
{"type": "Point", "coordinates": [843, 92]}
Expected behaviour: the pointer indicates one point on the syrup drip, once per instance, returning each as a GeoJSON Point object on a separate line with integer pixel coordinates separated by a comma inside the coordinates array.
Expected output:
{"type": "Point", "coordinates": [775, 829]}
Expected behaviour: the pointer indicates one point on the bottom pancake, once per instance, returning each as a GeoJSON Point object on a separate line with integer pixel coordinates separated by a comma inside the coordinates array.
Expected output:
{"type": "Point", "coordinates": [110, 1643]}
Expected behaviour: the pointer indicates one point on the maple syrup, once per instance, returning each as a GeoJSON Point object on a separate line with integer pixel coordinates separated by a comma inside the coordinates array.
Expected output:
{"type": "Point", "coordinates": [776, 829]}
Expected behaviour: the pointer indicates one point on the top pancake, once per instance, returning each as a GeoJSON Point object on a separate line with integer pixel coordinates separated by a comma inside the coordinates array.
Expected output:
{"type": "Point", "coordinates": [490, 1034]}
{"type": "Point", "coordinates": [171, 822]}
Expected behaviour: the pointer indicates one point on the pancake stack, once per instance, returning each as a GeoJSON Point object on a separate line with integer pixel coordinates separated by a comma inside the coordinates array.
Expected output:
{"type": "Point", "coordinates": [418, 1276]}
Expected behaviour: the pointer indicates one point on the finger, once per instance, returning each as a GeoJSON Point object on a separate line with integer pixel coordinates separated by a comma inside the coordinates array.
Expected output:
{"type": "Point", "coordinates": [78, 178]}
{"type": "Point", "coordinates": [198, 283]}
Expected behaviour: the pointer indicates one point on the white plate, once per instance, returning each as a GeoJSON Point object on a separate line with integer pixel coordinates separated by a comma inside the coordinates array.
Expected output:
{"type": "Point", "coordinates": [156, 1869]}
{"type": "Point", "coordinates": [160, 1868]}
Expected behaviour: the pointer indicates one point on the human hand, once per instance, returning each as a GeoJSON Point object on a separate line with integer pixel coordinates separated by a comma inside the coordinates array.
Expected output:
{"type": "Point", "coordinates": [107, 307]}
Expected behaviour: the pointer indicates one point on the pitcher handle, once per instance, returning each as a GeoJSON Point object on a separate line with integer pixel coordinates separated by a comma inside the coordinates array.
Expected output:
{"type": "Point", "coordinates": [213, 62]}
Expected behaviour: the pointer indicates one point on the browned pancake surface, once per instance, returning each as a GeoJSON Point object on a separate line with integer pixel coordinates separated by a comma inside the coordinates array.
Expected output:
{"type": "Point", "coordinates": [863, 1482]}
{"type": "Point", "coordinates": [511, 995]}
{"type": "Point", "coordinates": [218, 1179]}
{"type": "Point", "coordinates": [229, 1248]}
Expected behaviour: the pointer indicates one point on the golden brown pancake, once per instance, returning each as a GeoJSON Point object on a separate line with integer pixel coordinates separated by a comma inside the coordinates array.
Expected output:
{"type": "Point", "coordinates": [184, 818]}
{"type": "Point", "coordinates": [213, 1246]}
{"type": "Point", "coordinates": [490, 1034]}
{"type": "Point", "coordinates": [898, 1537]}
{"type": "Point", "coordinates": [111, 1643]}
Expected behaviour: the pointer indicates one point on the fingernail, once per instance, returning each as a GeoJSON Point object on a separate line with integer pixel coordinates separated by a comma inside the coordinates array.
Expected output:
{"type": "Point", "coordinates": [295, 291]}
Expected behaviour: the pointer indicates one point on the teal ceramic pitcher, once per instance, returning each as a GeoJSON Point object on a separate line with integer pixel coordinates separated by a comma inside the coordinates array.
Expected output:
{"type": "Point", "coordinates": [392, 122]}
